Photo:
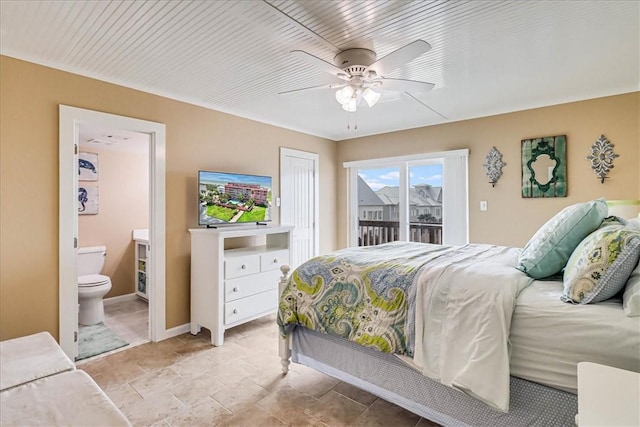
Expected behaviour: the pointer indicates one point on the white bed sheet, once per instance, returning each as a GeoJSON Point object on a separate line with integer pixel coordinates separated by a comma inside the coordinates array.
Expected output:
{"type": "Point", "coordinates": [549, 337]}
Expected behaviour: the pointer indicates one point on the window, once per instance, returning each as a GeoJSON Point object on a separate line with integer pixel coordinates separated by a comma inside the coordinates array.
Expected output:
{"type": "Point", "coordinates": [424, 196]}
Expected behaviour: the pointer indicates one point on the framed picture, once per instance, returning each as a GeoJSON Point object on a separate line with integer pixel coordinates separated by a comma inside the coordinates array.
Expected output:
{"type": "Point", "coordinates": [87, 200]}
{"type": "Point", "coordinates": [544, 167]}
{"type": "Point", "coordinates": [87, 166]}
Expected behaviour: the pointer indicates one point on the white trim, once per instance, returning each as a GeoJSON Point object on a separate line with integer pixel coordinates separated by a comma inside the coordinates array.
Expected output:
{"type": "Point", "coordinates": [352, 207]}
{"type": "Point", "coordinates": [119, 298]}
{"type": "Point", "coordinates": [403, 201]}
{"type": "Point", "coordinates": [67, 233]}
{"type": "Point", "coordinates": [70, 119]}
{"type": "Point", "coordinates": [409, 158]}
{"type": "Point", "coordinates": [289, 152]}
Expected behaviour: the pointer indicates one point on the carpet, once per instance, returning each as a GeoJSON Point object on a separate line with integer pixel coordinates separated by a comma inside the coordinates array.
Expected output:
{"type": "Point", "coordinates": [97, 339]}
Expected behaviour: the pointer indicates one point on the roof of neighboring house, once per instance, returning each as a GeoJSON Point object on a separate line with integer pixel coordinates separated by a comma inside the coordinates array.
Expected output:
{"type": "Point", "coordinates": [366, 196]}
{"type": "Point", "coordinates": [419, 195]}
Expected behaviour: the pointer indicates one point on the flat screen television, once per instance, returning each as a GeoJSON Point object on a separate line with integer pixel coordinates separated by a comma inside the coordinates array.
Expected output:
{"type": "Point", "coordinates": [232, 198]}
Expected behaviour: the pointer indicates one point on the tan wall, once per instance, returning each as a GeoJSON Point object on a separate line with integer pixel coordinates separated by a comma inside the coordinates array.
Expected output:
{"type": "Point", "coordinates": [197, 138]}
{"type": "Point", "coordinates": [510, 219]}
{"type": "Point", "coordinates": [123, 185]}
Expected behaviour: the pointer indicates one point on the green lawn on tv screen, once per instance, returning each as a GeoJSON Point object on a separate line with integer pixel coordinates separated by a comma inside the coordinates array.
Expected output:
{"type": "Point", "coordinates": [257, 214]}
{"type": "Point", "coordinates": [220, 212]}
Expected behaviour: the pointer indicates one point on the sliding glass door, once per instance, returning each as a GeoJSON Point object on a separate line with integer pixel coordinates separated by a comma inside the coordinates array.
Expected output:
{"type": "Point", "coordinates": [378, 205]}
{"type": "Point", "coordinates": [425, 202]}
{"type": "Point", "coordinates": [404, 198]}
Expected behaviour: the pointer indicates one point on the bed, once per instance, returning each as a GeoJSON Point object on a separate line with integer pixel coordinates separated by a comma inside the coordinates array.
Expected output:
{"type": "Point", "coordinates": [480, 342]}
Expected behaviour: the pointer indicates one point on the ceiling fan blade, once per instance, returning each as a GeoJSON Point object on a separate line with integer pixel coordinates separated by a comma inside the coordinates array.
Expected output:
{"type": "Point", "coordinates": [401, 85]}
{"type": "Point", "coordinates": [320, 63]}
{"type": "Point", "coordinates": [400, 57]}
{"type": "Point", "coordinates": [312, 88]}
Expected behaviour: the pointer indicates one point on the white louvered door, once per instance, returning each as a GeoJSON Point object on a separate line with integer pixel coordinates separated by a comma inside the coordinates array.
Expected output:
{"type": "Point", "coordinates": [299, 196]}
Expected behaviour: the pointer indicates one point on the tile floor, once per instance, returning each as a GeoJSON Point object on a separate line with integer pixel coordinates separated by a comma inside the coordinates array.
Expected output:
{"type": "Point", "coordinates": [185, 381]}
{"type": "Point", "coordinates": [129, 319]}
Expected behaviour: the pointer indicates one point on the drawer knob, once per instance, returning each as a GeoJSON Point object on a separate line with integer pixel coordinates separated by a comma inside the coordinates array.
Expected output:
{"type": "Point", "coordinates": [275, 260]}
{"type": "Point", "coordinates": [244, 267]}
{"type": "Point", "coordinates": [235, 289]}
{"type": "Point", "coordinates": [235, 311]}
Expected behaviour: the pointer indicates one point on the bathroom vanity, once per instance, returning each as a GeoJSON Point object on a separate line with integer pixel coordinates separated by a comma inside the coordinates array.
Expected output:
{"type": "Point", "coordinates": [141, 242]}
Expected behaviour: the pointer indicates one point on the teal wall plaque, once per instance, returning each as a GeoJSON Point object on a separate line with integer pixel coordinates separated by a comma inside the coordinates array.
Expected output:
{"type": "Point", "coordinates": [544, 167]}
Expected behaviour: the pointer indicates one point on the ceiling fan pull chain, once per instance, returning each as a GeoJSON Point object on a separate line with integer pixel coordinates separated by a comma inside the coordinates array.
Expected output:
{"type": "Point", "coordinates": [355, 119]}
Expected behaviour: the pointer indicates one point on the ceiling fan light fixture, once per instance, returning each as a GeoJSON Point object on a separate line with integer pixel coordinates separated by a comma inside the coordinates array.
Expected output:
{"type": "Point", "coordinates": [351, 106]}
{"type": "Point", "coordinates": [344, 95]}
{"type": "Point", "coordinates": [370, 96]}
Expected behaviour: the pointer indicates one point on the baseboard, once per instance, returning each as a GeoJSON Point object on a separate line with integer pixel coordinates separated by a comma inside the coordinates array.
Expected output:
{"type": "Point", "coordinates": [119, 298]}
{"type": "Point", "coordinates": [178, 330]}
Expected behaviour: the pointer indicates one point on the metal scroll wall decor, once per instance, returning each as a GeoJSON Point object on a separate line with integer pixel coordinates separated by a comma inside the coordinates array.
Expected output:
{"type": "Point", "coordinates": [601, 157]}
{"type": "Point", "coordinates": [544, 167]}
{"type": "Point", "coordinates": [493, 166]}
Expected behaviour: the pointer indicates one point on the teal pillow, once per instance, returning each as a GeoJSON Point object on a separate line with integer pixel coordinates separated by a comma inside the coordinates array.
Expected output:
{"type": "Point", "coordinates": [601, 264]}
{"type": "Point", "coordinates": [550, 248]}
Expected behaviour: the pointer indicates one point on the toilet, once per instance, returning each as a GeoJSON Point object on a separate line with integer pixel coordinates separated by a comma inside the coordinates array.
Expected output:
{"type": "Point", "coordinates": [92, 285]}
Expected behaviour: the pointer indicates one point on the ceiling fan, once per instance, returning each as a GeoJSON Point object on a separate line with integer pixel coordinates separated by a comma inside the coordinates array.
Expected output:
{"type": "Point", "coordinates": [363, 74]}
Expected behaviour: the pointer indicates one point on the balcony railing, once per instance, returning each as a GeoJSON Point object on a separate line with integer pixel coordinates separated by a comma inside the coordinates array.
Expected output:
{"type": "Point", "coordinates": [372, 233]}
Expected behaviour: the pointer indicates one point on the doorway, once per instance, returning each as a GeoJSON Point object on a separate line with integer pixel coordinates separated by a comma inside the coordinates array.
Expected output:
{"type": "Point", "coordinates": [300, 202]}
{"type": "Point", "coordinates": [71, 119]}
{"type": "Point", "coordinates": [113, 221]}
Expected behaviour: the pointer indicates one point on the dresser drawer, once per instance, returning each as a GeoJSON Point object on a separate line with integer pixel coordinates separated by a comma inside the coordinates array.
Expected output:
{"type": "Point", "coordinates": [273, 260]}
{"type": "Point", "coordinates": [241, 309]}
{"type": "Point", "coordinates": [241, 266]}
{"type": "Point", "coordinates": [245, 286]}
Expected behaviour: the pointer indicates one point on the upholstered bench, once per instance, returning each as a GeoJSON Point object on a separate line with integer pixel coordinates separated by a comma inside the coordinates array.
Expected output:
{"type": "Point", "coordinates": [39, 385]}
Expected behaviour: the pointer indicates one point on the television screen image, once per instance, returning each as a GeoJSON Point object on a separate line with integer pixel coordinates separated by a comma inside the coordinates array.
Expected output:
{"type": "Point", "coordinates": [231, 198]}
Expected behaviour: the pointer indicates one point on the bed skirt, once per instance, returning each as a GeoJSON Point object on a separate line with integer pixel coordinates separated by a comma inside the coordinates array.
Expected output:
{"type": "Point", "coordinates": [386, 376]}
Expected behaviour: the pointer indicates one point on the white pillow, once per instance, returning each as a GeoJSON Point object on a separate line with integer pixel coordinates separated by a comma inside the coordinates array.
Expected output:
{"type": "Point", "coordinates": [631, 296]}
{"type": "Point", "coordinates": [634, 223]}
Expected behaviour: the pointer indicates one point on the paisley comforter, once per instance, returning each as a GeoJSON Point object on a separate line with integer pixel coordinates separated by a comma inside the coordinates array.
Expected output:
{"type": "Point", "coordinates": [449, 307]}
{"type": "Point", "coordinates": [363, 294]}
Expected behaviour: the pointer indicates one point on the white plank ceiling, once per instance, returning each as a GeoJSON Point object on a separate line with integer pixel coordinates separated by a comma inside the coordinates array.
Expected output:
{"type": "Point", "coordinates": [487, 57]}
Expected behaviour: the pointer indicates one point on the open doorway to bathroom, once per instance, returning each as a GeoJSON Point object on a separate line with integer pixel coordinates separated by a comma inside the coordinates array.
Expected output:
{"type": "Point", "coordinates": [71, 120]}
{"type": "Point", "coordinates": [113, 219]}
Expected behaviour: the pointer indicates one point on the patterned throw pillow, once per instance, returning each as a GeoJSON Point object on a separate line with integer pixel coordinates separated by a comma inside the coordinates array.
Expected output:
{"type": "Point", "coordinates": [552, 245]}
{"type": "Point", "coordinates": [601, 264]}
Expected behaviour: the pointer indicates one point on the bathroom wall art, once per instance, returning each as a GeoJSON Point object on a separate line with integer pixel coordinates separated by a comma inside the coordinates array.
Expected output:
{"type": "Point", "coordinates": [544, 167]}
{"type": "Point", "coordinates": [87, 166]}
{"type": "Point", "coordinates": [87, 200]}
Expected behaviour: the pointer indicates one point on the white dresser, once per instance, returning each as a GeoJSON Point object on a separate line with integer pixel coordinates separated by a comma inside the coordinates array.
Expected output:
{"type": "Point", "coordinates": [234, 275]}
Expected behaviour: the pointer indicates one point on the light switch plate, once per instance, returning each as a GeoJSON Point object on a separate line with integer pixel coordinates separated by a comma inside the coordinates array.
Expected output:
{"type": "Point", "coordinates": [483, 205]}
